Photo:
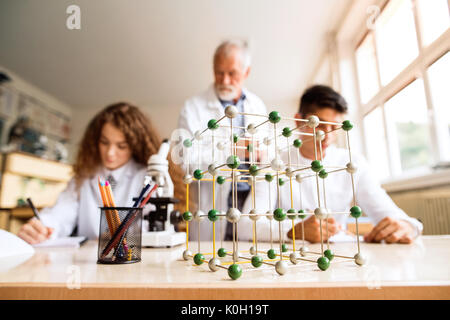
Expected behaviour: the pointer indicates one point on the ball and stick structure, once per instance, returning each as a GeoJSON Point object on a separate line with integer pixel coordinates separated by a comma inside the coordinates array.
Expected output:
{"type": "Point", "coordinates": [265, 134]}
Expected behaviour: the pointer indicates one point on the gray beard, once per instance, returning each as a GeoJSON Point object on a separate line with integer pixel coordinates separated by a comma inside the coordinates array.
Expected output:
{"type": "Point", "coordinates": [227, 95]}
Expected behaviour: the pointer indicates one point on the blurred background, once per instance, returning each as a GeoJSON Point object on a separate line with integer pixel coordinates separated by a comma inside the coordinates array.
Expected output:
{"type": "Point", "coordinates": [389, 59]}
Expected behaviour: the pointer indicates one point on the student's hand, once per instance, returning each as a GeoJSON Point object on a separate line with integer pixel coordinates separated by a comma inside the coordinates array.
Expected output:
{"type": "Point", "coordinates": [312, 229]}
{"type": "Point", "coordinates": [34, 231]}
{"type": "Point", "coordinates": [392, 231]}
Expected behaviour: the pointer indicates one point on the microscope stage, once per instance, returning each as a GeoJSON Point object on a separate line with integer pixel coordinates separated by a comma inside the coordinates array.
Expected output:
{"type": "Point", "coordinates": [158, 239]}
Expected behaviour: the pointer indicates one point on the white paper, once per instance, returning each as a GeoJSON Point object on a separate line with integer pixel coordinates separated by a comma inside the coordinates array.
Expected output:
{"type": "Point", "coordinates": [66, 242]}
{"type": "Point", "coordinates": [345, 237]}
{"type": "Point", "coordinates": [11, 245]}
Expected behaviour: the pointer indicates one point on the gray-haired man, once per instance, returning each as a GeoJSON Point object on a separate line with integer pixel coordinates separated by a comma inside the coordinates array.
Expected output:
{"type": "Point", "coordinates": [231, 65]}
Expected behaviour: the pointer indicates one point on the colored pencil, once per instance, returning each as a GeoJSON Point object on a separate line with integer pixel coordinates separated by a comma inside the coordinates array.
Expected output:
{"type": "Point", "coordinates": [105, 201]}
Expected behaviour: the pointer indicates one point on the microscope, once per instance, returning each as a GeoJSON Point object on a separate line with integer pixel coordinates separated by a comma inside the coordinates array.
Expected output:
{"type": "Point", "coordinates": [160, 231]}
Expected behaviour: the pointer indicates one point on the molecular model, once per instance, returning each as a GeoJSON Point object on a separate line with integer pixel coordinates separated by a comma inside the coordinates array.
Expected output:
{"type": "Point", "coordinates": [260, 172]}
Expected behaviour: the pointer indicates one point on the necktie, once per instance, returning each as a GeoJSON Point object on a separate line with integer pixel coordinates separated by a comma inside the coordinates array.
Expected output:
{"type": "Point", "coordinates": [112, 181]}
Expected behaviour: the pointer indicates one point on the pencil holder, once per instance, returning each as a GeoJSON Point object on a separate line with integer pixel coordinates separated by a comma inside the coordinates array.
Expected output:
{"type": "Point", "coordinates": [120, 235]}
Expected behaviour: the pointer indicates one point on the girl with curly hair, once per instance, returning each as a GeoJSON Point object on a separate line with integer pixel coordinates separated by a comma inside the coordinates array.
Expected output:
{"type": "Point", "coordinates": [116, 146]}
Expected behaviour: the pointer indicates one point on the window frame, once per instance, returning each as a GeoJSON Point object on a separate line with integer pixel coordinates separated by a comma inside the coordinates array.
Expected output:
{"type": "Point", "coordinates": [418, 68]}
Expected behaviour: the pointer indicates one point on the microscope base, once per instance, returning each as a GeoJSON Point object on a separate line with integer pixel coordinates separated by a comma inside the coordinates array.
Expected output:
{"type": "Point", "coordinates": [161, 239]}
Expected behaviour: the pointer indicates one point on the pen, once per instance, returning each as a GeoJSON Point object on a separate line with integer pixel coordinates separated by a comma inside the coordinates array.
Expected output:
{"type": "Point", "coordinates": [144, 190]}
{"type": "Point", "coordinates": [35, 212]}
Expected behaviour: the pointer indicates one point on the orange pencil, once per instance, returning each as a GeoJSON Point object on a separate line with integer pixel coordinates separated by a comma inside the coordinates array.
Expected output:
{"type": "Point", "coordinates": [106, 204]}
{"type": "Point", "coordinates": [114, 213]}
{"type": "Point", "coordinates": [102, 193]}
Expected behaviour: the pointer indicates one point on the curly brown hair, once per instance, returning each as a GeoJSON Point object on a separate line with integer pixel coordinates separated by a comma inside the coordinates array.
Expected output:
{"type": "Point", "coordinates": [140, 135]}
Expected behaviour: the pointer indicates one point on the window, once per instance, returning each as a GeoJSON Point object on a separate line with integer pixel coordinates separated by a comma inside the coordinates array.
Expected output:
{"type": "Point", "coordinates": [434, 19]}
{"type": "Point", "coordinates": [367, 69]}
{"type": "Point", "coordinates": [396, 39]}
{"type": "Point", "coordinates": [376, 143]}
{"type": "Point", "coordinates": [409, 132]}
{"type": "Point", "coordinates": [403, 70]}
{"type": "Point", "coordinates": [439, 79]}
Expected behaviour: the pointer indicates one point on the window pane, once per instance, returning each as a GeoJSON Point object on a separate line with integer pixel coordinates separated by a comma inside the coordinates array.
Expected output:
{"type": "Point", "coordinates": [367, 69]}
{"type": "Point", "coordinates": [396, 39]}
{"type": "Point", "coordinates": [434, 19]}
{"type": "Point", "coordinates": [409, 132]}
{"type": "Point", "coordinates": [376, 143]}
{"type": "Point", "coordinates": [439, 79]}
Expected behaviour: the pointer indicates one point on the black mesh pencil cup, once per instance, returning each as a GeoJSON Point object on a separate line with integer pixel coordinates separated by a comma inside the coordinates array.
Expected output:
{"type": "Point", "coordinates": [120, 235]}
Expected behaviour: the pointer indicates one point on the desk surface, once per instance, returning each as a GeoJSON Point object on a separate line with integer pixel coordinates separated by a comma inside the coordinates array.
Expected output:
{"type": "Point", "coordinates": [417, 271]}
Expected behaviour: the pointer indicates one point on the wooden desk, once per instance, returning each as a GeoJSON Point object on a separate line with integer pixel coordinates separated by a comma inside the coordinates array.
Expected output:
{"type": "Point", "coordinates": [417, 271]}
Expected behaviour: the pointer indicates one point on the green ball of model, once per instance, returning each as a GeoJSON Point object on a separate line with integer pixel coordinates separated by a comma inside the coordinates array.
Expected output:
{"type": "Point", "coordinates": [212, 215]}
{"type": "Point", "coordinates": [355, 212]}
{"type": "Point", "coordinates": [301, 216]}
{"type": "Point", "coordinates": [286, 132]}
{"type": "Point", "coordinates": [274, 117]}
{"type": "Point", "coordinates": [271, 254]}
{"type": "Point", "coordinates": [323, 263]}
{"type": "Point", "coordinates": [347, 125]}
{"type": "Point", "coordinates": [235, 138]}
{"type": "Point", "coordinates": [253, 170]}
{"type": "Point", "coordinates": [268, 177]}
{"type": "Point", "coordinates": [234, 271]}
{"type": "Point", "coordinates": [329, 254]}
{"type": "Point", "coordinates": [187, 143]}
{"type": "Point", "coordinates": [279, 214]}
{"type": "Point", "coordinates": [284, 248]}
{"type": "Point", "coordinates": [187, 216]}
{"type": "Point", "coordinates": [222, 252]}
{"type": "Point", "coordinates": [293, 216]}
{"type": "Point", "coordinates": [297, 143]}
{"type": "Point", "coordinates": [212, 124]}
{"type": "Point", "coordinates": [257, 261]}
{"type": "Point", "coordinates": [280, 181]}
{"type": "Point", "coordinates": [199, 259]}
{"type": "Point", "coordinates": [316, 166]}
{"type": "Point", "coordinates": [198, 174]}
{"type": "Point", "coordinates": [250, 148]}
{"type": "Point", "coordinates": [233, 162]}
{"type": "Point", "coordinates": [221, 180]}
{"type": "Point", "coordinates": [323, 174]}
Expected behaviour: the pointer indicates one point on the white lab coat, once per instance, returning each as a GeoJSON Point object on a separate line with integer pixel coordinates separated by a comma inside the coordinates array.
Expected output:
{"type": "Point", "coordinates": [81, 208]}
{"type": "Point", "coordinates": [194, 116]}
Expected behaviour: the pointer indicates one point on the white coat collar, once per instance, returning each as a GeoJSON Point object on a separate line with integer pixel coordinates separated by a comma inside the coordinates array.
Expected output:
{"type": "Point", "coordinates": [127, 170]}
